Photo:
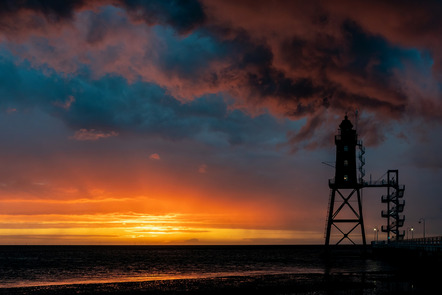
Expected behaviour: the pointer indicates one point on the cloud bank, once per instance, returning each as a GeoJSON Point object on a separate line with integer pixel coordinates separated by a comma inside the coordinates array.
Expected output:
{"type": "Point", "coordinates": [296, 60]}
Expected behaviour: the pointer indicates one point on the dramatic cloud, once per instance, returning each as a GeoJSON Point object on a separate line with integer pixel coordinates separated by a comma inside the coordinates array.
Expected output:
{"type": "Point", "coordinates": [293, 58]}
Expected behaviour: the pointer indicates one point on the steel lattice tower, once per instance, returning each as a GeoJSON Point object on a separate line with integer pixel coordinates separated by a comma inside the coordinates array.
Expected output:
{"type": "Point", "coordinates": [395, 206]}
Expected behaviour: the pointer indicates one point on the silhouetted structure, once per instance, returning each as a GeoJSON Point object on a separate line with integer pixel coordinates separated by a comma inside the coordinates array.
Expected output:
{"type": "Point", "coordinates": [395, 205]}
{"type": "Point", "coordinates": [348, 186]}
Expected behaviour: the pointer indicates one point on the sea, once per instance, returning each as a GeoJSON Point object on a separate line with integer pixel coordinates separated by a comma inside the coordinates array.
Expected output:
{"type": "Point", "coordinates": [30, 266]}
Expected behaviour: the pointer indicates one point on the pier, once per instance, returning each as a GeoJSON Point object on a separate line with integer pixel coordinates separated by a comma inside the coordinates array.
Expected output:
{"type": "Point", "coordinates": [421, 248]}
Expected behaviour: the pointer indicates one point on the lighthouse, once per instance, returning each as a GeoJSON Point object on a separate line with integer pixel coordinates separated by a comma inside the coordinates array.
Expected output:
{"type": "Point", "coordinates": [345, 204]}
{"type": "Point", "coordinates": [346, 141]}
{"type": "Point", "coordinates": [344, 216]}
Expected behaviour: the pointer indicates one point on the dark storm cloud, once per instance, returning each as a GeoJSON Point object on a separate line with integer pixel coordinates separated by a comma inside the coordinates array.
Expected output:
{"type": "Point", "coordinates": [183, 15]}
{"type": "Point", "coordinates": [54, 10]}
{"type": "Point", "coordinates": [348, 72]}
{"type": "Point", "coordinates": [297, 59]}
{"type": "Point", "coordinates": [336, 60]}
{"type": "Point", "coordinates": [264, 80]}
{"type": "Point", "coordinates": [406, 23]}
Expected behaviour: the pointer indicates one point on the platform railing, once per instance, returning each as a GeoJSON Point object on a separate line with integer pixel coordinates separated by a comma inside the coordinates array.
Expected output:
{"type": "Point", "coordinates": [436, 241]}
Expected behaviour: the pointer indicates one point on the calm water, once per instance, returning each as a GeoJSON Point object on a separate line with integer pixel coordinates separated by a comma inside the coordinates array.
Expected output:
{"type": "Point", "coordinates": [53, 265]}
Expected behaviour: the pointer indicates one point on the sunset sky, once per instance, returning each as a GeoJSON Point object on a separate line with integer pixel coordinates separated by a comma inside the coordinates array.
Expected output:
{"type": "Point", "coordinates": [206, 122]}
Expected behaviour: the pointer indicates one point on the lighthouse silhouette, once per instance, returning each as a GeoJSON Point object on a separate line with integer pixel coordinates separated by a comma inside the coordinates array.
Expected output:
{"type": "Point", "coordinates": [344, 216]}
{"type": "Point", "coordinates": [345, 189]}
{"type": "Point", "coordinates": [346, 140]}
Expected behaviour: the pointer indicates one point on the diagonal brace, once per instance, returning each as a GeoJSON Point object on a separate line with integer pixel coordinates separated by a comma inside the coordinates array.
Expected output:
{"type": "Point", "coordinates": [346, 202]}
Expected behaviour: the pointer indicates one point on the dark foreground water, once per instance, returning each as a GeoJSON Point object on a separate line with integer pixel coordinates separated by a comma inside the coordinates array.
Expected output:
{"type": "Point", "coordinates": [43, 268]}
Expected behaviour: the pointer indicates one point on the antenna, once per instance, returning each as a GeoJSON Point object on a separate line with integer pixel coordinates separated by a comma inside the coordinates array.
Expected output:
{"type": "Point", "coordinates": [330, 164]}
{"type": "Point", "coordinates": [356, 119]}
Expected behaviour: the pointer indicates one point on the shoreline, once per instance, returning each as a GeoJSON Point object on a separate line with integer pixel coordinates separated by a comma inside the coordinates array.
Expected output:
{"type": "Point", "coordinates": [123, 280]}
{"type": "Point", "coordinates": [337, 283]}
{"type": "Point", "coordinates": [347, 271]}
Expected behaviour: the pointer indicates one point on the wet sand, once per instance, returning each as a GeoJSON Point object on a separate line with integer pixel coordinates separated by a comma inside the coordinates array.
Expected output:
{"type": "Point", "coordinates": [343, 283]}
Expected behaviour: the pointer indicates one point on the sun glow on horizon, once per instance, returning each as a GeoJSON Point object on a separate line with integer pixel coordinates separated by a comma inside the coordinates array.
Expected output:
{"type": "Point", "coordinates": [135, 228]}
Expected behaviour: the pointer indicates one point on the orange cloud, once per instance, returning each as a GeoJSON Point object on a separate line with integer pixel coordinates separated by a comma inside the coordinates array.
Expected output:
{"type": "Point", "coordinates": [92, 134]}
{"type": "Point", "coordinates": [155, 156]}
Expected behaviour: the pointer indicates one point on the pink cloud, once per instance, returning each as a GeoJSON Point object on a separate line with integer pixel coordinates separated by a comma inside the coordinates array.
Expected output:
{"type": "Point", "coordinates": [66, 104]}
{"type": "Point", "coordinates": [92, 134]}
{"type": "Point", "coordinates": [155, 156]}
